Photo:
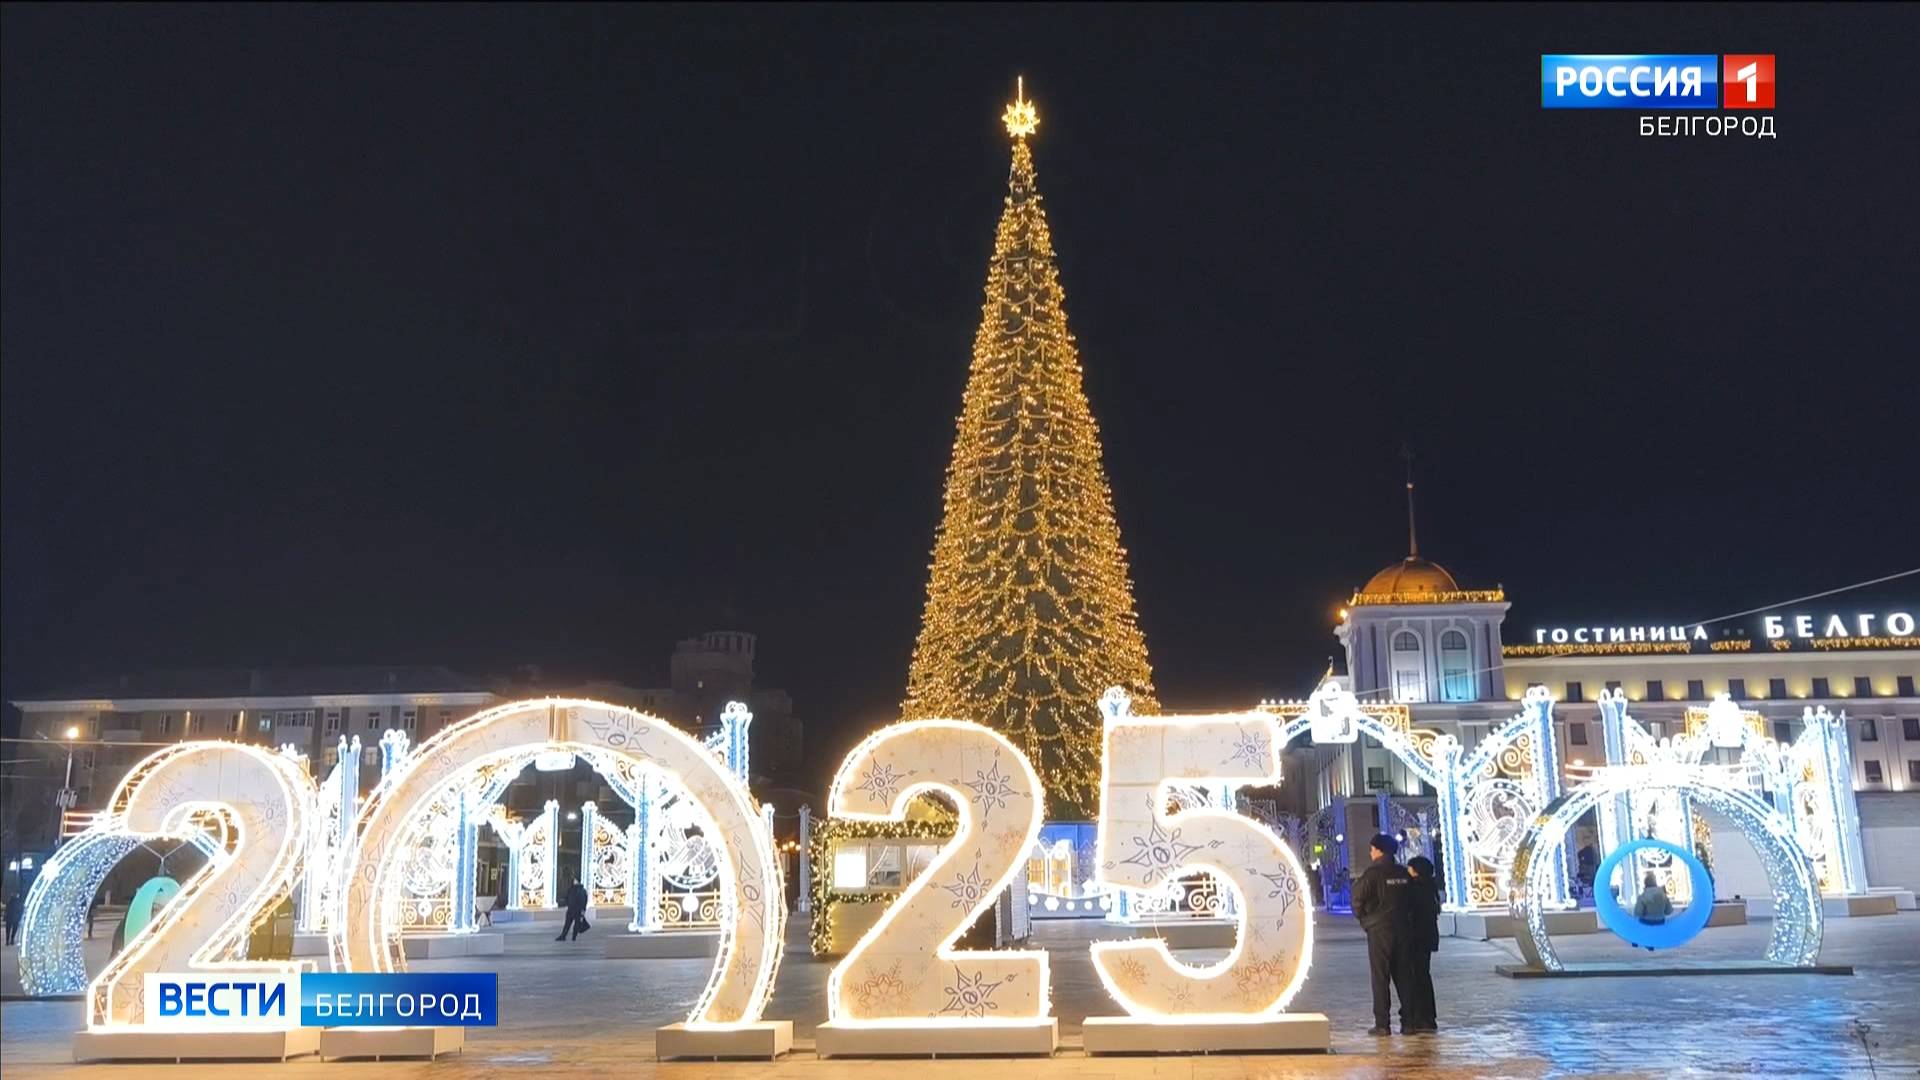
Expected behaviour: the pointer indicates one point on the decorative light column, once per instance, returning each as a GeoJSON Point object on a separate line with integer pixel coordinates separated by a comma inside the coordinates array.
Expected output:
{"type": "Point", "coordinates": [643, 880]}
{"type": "Point", "coordinates": [588, 811]}
{"type": "Point", "coordinates": [552, 814]}
{"type": "Point", "coordinates": [466, 861]}
{"type": "Point", "coordinates": [1837, 756]}
{"type": "Point", "coordinates": [1546, 768]}
{"type": "Point", "coordinates": [805, 905]}
{"type": "Point", "coordinates": [342, 790]}
{"type": "Point", "coordinates": [1616, 819]}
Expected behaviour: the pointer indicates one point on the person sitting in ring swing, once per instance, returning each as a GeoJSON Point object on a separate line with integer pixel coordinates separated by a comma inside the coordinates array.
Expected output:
{"type": "Point", "coordinates": [1653, 907]}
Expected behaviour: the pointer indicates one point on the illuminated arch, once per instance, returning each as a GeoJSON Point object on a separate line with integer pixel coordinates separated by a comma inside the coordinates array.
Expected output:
{"type": "Point", "coordinates": [1797, 922]}
{"type": "Point", "coordinates": [53, 926]}
{"type": "Point", "coordinates": [366, 933]}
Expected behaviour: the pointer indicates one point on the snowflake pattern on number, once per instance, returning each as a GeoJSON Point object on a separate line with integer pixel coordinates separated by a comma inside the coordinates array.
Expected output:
{"type": "Point", "coordinates": [1129, 972]}
{"type": "Point", "coordinates": [1250, 749]}
{"type": "Point", "coordinates": [991, 788]}
{"type": "Point", "coordinates": [883, 993]}
{"type": "Point", "coordinates": [1286, 889]}
{"type": "Point", "coordinates": [1161, 850]}
{"type": "Point", "coordinates": [972, 995]}
{"type": "Point", "coordinates": [1259, 979]}
{"type": "Point", "coordinates": [616, 729]}
{"type": "Point", "coordinates": [882, 782]}
{"type": "Point", "coordinates": [968, 890]}
{"type": "Point", "coordinates": [1010, 838]}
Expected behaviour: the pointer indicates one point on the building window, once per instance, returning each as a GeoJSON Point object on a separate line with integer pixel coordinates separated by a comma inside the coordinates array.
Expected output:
{"type": "Point", "coordinates": [1613, 685]}
{"type": "Point", "coordinates": [333, 721]}
{"type": "Point", "coordinates": [1910, 728]}
{"type": "Point", "coordinates": [1696, 690]}
{"type": "Point", "coordinates": [1821, 689]}
{"type": "Point", "coordinates": [1783, 731]}
{"type": "Point", "coordinates": [446, 717]}
{"type": "Point", "coordinates": [1913, 771]}
{"type": "Point", "coordinates": [266, 721]}
{"type": "Point", "coordinates": [332, 756]}
{"type": "Point", "coordinates": [1874, 775]}
{"type": "Point", "coordinates": [166, 723]}
{"type": "Point", "coordinates": [1376, 778]}
{"type": "Point", "coordinates": [1656, 691]}
{"type": "Point", "coordinates": [1869, 731]}
{"type": "Point", "coordinates": [233, 725]}
{"type": "Point", "coordinates": [1573, 692]}
{"type": "Point", "coordinates": [1737, 689]}
{"type": "Point", "coordinates": [406, 719]}
{"type": "Point", "coordinates": [1577, 734]}
{"type": "Point", "coordinates": [1456, 667]}
{"type": "Point", "coordinates": [193, 726]}
{"type": "Point", "coordinates": [374, 718]}
{"type": "Point", "coordinates": [1409, 668]}
{"type": "Point", "coordinates": [1862, 686]}
{"type": "Point", "coordinates": [1776, 688]}
{"type": "Point", "coordinates": [1905, 687]}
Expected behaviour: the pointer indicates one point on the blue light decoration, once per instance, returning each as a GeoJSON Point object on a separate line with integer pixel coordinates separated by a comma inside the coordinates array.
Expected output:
{"type": "Point", "coordinates": [1798, 921]}
{"type": "Point", "coordinates": [52, 959]}
{"type": "Point", "coordinates": [1808, 781]}
{"type": "Point", "coordinates": [1678, 929]}
{"type": "Point", "coordinates": [1483, 797]}
{"type": "Point", "coordinates": [154, 893]}
{"type": "Point", "coordinates": [54, 923]}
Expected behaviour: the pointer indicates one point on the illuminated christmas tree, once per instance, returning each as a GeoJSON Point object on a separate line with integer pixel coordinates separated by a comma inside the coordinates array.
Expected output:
{"type": "Point", "coordinates": [1029, 612]}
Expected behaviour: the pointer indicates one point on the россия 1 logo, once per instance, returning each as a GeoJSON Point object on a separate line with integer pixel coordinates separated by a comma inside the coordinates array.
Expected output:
{"type": "Point", "coordinates": [1656, 81]}
{"type": "Point", "coordinates": [1632, 81]}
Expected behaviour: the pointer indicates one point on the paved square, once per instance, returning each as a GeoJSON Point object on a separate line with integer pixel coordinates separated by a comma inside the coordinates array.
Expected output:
{"type": "Point", "coordinates": [568, 1011]}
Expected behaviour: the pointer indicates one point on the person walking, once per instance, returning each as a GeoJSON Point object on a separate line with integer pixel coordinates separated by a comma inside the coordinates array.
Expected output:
{"type": "Point", "coordinates": [13, 917]}
{"type": "Point", "coordinates": [576, 913]}
{"type": "Point", "coordinates": [1380, 905]}
{"type": "Point", "coordinates": [1423, 940]}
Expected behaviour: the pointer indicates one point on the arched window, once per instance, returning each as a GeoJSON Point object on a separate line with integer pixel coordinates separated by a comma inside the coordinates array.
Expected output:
{"type": "Point", "coordinates": [1409, 667]}
{"type": "Point", "coordinates": [1456, 667]}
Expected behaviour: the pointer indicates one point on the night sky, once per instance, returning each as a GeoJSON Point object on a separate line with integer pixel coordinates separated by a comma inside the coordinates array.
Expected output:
{"type": "Point", "coordinates": [495, 336]}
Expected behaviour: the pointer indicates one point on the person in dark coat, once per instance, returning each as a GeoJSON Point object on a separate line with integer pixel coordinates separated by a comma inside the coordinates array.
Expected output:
{"type": "Point", "coordinates": [1423, 940]}
{"type": "Point", "coordinates": [14, 910]}
{"type": "Point", "coordinates": [1380, 904]}
{"type": "Point", "coordinates": [576, 912]}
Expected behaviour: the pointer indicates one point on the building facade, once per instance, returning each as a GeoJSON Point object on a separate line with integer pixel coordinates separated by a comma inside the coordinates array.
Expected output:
{"type": "Point", "coordinates": [1413, 636]}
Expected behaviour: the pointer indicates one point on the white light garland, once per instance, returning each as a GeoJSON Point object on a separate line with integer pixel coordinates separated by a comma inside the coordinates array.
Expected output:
{"type": "Point", "coordinates": [904, 971]}
{"type": "Point", "coordinates": [752, 916]}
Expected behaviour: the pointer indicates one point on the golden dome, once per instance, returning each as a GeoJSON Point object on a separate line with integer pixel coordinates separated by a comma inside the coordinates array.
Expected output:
{"type": "Point", "coordinates": [1412, 576]}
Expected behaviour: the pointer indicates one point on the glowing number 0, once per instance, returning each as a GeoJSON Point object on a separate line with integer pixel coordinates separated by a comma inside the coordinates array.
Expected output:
{"type": "Point", "coordinates": [1142, 846]}
{"type": "Point", "coordinates": [260, 800]}
{"type": "Point", "coordinates": [365, 932]}
{"type": "Point", "coordinates": [889, 974]}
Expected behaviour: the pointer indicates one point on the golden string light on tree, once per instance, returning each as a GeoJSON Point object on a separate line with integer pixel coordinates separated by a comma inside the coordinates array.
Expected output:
{"type": "Point", "coordinates": [1030, 614]}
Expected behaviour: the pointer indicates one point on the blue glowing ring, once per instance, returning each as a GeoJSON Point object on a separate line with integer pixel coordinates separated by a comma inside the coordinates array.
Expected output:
{"type": "Point", "coordinates": [1678, 929]}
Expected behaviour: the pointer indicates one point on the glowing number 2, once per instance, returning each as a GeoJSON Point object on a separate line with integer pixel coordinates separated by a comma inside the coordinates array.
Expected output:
{"type": "Point", "coordinates": [1751, 76]}
{"type": "Point", "coordinates": [1142, 846]}
{"type": "Point", "coordinates": [890, 974]}
{"type": "Point", "coordinates": [259, 800]}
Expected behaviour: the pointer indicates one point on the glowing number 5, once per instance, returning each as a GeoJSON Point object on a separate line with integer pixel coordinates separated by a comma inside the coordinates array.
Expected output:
{"type": "Point", "coordinates": [1143, 846]}
{"type": "Point", "coordinates": [260, 802]}
{"type": "Point", "coordinates": [890, 974]}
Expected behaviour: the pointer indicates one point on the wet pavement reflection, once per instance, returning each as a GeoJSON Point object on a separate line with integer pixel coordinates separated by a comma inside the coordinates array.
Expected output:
{"type": "Point", "coordinates": [567, 1010]}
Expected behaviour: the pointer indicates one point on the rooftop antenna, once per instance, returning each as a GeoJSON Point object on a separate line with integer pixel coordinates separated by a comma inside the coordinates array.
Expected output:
{"type": "Point", "coordinates": [1413, 541]}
